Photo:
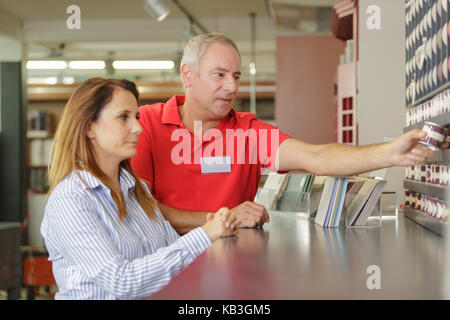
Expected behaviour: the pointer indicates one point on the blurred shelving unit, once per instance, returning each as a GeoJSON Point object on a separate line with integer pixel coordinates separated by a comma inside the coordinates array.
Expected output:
{"type": "Point", "coordinates": [344, 26]}
{"type": "Point", "coordinates": [427, 78]}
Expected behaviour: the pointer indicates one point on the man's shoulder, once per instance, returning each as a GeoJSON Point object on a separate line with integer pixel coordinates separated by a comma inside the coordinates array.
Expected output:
{"type": "Point", "coordinates": [150, 115]}
{"type": "Point", "coordinates": [157, 112]}
{"type": "Point", "coordinates": [151, 109]}
{"type": "Point", "coordinates": [249, 119]}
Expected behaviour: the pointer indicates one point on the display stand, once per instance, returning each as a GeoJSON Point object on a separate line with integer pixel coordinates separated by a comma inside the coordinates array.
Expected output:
{"type": "Point", "coordinates": [296, 202]}
{"type": "Point", "coordinates": [373, 221]}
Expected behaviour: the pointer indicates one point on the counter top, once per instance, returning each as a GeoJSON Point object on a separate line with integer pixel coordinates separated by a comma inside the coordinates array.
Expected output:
{"type": "Point", "coordinates": [293, 258]}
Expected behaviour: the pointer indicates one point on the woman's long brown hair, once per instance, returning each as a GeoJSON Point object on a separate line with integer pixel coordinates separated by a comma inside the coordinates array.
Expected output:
{"type": "Point", "coordinates": [72, 149]}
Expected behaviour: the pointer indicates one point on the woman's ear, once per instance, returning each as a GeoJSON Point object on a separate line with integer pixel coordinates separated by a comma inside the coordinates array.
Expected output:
{"type": "Point", "coordinates": [90, 131]}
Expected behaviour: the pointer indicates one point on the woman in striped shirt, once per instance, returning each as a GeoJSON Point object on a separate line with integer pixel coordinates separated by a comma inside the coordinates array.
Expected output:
{"type": "Point", "coordinates": [103, 230]}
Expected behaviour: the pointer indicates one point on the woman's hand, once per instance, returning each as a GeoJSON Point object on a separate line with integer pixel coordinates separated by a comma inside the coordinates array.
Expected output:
{"type": "Point", "coordinates": [223, 223]}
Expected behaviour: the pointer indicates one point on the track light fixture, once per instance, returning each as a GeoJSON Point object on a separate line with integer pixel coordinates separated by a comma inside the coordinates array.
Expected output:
{"type": "Point", "coordinates": [158, 9]}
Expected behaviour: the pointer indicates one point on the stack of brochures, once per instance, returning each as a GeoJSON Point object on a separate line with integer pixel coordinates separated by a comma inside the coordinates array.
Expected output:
{"type": "Point", "coordinates": [296, 193]}
{"type": "Point", "coordinates": [358, 194]}
{"type": "Point", "coordinates": [331, 202]}
{"type": "Point", "coordinates": [284, 191]}
{"type": "Point", "coordinates": [362, 197]}
{"type": "Point", "coordinates": [273, 189]}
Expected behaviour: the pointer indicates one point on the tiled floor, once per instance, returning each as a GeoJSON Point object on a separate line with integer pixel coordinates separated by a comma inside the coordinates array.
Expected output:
{"type": "Point", "coordinates": [41, 295]}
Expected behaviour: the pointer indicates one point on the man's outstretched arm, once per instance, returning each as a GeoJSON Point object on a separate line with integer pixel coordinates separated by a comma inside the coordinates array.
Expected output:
{"type": "Point", "coordinates": [343, 160]}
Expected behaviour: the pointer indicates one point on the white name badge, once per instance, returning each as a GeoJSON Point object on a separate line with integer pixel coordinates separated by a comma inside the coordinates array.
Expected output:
{"type": "Point", "coordinates": [216, 164]}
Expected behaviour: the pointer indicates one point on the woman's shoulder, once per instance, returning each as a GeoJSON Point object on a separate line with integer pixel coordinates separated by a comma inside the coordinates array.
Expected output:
{"type": "Point", "coordinates": [70, 201]}
{"type": "Point", "coordinates": [71, 187]}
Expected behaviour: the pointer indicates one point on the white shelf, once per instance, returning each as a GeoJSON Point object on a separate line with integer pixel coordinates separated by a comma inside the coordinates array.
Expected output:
{"type": "Point", "coordinates": [37, 134]}
{"type": "Point", "coordinates": [432, 190]}
{"type": "Point", "coordinates": [441, 120]}
{"type": "Point", "coordinates": [426, 221]}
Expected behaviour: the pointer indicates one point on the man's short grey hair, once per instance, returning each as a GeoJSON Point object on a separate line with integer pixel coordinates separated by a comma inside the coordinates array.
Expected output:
{"type": "Point", "coordinates": [198, 45]}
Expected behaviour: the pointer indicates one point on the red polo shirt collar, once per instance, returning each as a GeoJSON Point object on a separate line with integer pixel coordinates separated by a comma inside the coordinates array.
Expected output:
{"type": "Point", "coordinates": [170, 114]}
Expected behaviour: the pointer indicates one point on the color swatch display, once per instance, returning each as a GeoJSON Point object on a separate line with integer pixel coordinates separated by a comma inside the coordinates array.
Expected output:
{"type": "Point", "coordinates": [362, 197]}
{"type": "Point", "coordinates": [331, 202]}
{"type": "Point", "coordinates": [427, 47]}
{"type": "Point", "coordinates": [438, 105]}
{"type": "Point", "coordinates": [433, 207]}
{"type": "Point", "coordinates": [358, 195]}
{"type": "Point", "coordinates": [437, 174]}
{"type": "Point", "coordinates": [428, 107]}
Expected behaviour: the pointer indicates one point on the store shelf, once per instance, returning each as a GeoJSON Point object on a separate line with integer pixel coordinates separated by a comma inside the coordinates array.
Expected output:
{"type": "Point", "coordinates": [342, 19]}
{"type": "Point", "coordinates": [429, 96]}
{"type": "Point", "coordinates": [147, 91]}
{"type": "Point", "coordinates": [38, 134]}
{"type": "Point", "coordinates": [441, 120]}
{"type": "Point", "coordinates": [426, 221]}
{"type": "Point", "coordinates": [432, 190]}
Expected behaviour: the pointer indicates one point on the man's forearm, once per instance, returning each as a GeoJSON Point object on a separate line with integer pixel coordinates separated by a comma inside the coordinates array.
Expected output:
{"type": "Point", "coordinates": [333, 159]}
{"type": "Point", "coordinates": [181, 220]}
{"type": "Point", "coordinates": [345, 160]}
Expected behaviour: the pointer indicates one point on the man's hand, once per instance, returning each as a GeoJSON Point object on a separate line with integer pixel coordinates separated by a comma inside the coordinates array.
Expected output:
{"type": "Point", "coordinates": [406, 150]}
{"type": "Point", "coordinates": [251, 214]}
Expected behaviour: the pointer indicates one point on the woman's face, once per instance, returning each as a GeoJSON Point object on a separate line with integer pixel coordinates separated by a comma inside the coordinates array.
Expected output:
{"type": "Point", "coordinates": [115, 133]}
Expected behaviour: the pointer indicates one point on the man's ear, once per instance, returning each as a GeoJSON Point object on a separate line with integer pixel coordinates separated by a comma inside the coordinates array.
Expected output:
{"type": "Point", "coordinates": [187, 74]}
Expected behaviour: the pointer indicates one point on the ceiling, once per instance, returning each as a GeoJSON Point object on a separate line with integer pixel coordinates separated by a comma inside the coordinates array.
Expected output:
{"type": "Point", "coordinates": [114, 9]}
{"type": "Point", "coordinates": [124, 30]}
{"type": "Point", "coordinates": [31, 10]}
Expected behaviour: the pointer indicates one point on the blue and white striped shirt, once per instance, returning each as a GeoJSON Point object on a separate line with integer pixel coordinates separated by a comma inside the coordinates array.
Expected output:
{"type": "Point", "coordinates": [97, 256]}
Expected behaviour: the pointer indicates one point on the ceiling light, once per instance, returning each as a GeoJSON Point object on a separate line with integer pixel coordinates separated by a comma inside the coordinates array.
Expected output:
{"type": "Point", "coordinates": [252, 68]}
{"type": "Point", "coordinates": [51, 80]}
{"type": "Point", "coordinates": [68, 80]}
{"type": "Point", "coordinates": [42, 80]}
{"type": "Point", "coordinates": [46, 65]}
{"type": "Point", "coordinates": [158, 9]}
{"type": "Point", "coordinates": [143, 64]}
{"type": "Point", "coordinates": [87, 64]}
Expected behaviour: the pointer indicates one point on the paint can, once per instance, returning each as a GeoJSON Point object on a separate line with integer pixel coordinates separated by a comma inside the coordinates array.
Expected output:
{"type": "Point", "coordinates": [435, 135]}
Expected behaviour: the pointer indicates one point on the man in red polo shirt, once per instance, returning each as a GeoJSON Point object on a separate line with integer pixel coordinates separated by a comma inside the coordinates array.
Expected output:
{"type": "Point", "coordinates": [198, 154]}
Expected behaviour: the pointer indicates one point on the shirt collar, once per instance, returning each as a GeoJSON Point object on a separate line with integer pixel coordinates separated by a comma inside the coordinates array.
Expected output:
{"type": "Point", "coordinates": [126, 180]}
{"type": "Point", "coordinates": [170, 114]}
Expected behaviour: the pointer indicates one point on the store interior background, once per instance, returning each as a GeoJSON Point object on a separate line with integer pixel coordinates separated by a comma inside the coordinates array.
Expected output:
{"type": "Point", "coordinates": [296, 55]}
{"type": "Point", "coordinates": [291, 43]}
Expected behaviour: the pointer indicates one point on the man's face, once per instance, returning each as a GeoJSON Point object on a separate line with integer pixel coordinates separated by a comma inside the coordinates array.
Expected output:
{"type": "Point", "coordinates": [215, 83]}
